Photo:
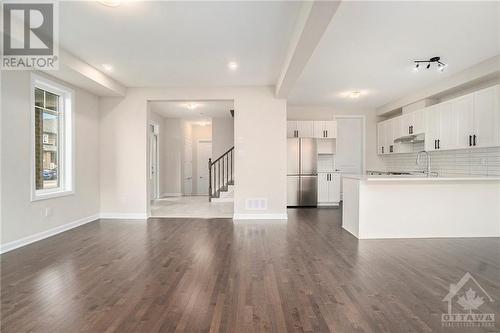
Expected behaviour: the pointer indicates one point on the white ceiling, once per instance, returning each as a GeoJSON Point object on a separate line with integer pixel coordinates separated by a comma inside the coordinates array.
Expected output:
{"type": "Point", "coordinates": [181, 43]}
{"type": "Point", "coordinates": [370, 47]}
{"type": "Point", "coordinates": [204, 109]}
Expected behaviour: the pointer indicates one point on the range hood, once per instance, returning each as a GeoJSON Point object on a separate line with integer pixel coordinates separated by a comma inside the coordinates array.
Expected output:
{"type": "Point", "coordinates": [410, 138]}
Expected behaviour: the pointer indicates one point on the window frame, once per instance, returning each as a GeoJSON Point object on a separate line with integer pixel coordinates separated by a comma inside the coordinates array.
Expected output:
{"type": "Point", "coordinates": [66, 142]}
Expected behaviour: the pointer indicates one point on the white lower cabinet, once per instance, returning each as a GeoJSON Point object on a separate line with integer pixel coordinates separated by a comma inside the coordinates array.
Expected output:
{"type": "Point", "coordinates": [328, 188]}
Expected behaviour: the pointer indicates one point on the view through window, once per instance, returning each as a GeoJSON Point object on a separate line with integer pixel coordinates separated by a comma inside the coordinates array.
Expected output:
{"type": "Point", "coordinates": [47, 139]}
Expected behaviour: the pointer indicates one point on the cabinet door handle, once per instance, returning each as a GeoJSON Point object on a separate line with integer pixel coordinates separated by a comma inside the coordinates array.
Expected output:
{"type": "Point", "coordinates": [326, 133]}
{"type": "Point", "coordinates": [439, 144]}
{"type": "Point", "coordinates": [474, 140]}
{"type": "Point", "coordinates": [470, 140]}
{"type": "Point", "coordinates": [382, 150]}
{"type": "Point", "coordinates": [435, 144]}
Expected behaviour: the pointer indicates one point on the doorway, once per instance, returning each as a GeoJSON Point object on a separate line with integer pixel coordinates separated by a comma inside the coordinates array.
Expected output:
{"type": "Point", "coordinates": [154, 161]}
{"type": "Point", "coordinates": [190, 133]}
{"type": "Point", "coordinates": [204, 153]}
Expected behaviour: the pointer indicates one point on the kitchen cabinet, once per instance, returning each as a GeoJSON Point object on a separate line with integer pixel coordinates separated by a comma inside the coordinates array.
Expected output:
{"type": "Point", "coordinates": [381, 148]}
{"type": "Point", "coordinates": [300, 129]}
{"type": "Point", "coordinates": [397, 132]}
{"type": "Point", "coordinates": [328, 188]}
{"type": "Point", "coordinates": [413, 123]}
{"type": "Point", "coordinates": [325, 129]}
{"type": "Point", "coordinates": [462, 122]}
{"type": "Point", "coordinates": [389, 134]}
{"type": "Point", "coordinates": [439, 133]}
{"type": "Point", "coordinates": [486, 122]}
{"type": "Point", "coordinates": [291, 129]}
{"type": "Point", "coordinates": [468, 121]}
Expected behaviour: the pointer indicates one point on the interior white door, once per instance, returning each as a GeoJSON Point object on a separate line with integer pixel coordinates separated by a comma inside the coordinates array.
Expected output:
{"type": "Point", "coordinates": [350, 138]}
{"type": "Point", "coordinates": [153, 163]}
{"type": "Point", "coordinates": [204, 153]}
{"type": "Point", "coordinates": [188, 166]}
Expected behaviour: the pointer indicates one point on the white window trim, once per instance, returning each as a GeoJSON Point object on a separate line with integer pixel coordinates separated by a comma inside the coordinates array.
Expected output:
{"type": "Point", "coordinates": [67, 160]}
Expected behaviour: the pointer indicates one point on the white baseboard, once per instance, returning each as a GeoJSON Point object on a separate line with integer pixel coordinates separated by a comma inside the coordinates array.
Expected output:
{"type": "Point", "coordinates": [46, 234]}
{"type": "Point", "coordinates": [125, 216]}
{"type": "Point", "coordinates": [241, 216]}
{"type": "Point", "coordinates": [163, 195]}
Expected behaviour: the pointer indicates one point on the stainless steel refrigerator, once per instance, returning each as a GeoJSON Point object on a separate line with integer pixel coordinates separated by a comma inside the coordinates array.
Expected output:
{"type": "Point", "coordinates": [302, 173]}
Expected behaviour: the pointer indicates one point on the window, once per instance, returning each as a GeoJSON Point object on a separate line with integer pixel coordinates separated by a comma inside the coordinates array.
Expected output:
{"type": "Point", "coordinates": [52, 128]}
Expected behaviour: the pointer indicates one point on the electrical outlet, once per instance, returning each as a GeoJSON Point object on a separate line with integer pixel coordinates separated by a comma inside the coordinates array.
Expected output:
{"type": "Point", "coordinates": [48, 211]}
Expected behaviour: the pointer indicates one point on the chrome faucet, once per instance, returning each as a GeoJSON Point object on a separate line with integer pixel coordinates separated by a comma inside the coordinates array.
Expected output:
{"type": "Point", "coordinates": [428, 160]}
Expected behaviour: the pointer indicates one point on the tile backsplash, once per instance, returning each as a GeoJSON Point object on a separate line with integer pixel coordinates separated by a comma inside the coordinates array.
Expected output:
{"type": "Point", "coordinates": [478, 161]}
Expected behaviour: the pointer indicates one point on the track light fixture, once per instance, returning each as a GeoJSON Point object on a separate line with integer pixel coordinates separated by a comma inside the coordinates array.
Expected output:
{"type": "Point", "coordinates": [440, 65]}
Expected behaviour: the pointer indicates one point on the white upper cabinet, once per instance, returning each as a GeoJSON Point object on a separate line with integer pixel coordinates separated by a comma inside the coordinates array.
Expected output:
{"type": "Point", "coordinates": [381, 149]}
{"type": "Point", "coordinates": [468, 121]}
{"type": "Point", "coordinates": [291, 129]}
{"type": "Point", "coordinates": [389, 136]}
{"type": "Point", "coordinates": [462, 125]}
{"type": "Point", "coordinates": [330, 129]}
{"type": "Point", "coordinates": [487, 117]}
{"type": "Point", "coordinates": [299, 129]}
{"type": "Point", "coordinates": [325, 129]}
{"type": "Point", "coordinates": [305, 128]}
{"type": "Point", "coordinates": [432, 127]}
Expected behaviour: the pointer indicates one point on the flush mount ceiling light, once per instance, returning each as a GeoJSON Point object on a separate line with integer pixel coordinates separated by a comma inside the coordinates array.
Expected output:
{"type": "Point", "coordinates": [437, 60]}
{"type": "Point", "coordinates": [354, 94]}
{"type": "Point", "coordinates": [232, 65]}
{"type": "Point", "coordinates": [110, 3]}
{"type": "Point", "coordinates": [107, 67]}
{"type": "Point", "coordinates": [192, 106]}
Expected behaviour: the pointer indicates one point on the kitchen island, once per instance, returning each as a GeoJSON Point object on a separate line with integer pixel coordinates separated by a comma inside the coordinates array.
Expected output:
{"type": "Point", "coordinates": [417, 206]}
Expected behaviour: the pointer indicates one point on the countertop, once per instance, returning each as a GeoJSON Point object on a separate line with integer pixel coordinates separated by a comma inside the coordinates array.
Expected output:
{"type": "Point", "coordinates": [420, 177]}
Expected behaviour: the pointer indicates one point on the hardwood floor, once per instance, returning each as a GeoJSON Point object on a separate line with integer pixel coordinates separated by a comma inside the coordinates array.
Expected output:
{"type": "Point", "coordinates": [191, 275]}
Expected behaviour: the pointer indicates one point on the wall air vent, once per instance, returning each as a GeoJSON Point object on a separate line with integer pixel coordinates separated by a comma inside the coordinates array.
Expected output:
{"type": "Point", "coordinates": [256, 204]}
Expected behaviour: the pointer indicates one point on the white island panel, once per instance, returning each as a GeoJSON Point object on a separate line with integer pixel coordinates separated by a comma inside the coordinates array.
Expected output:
{"type": "Point", "coordinates": [420, 208]}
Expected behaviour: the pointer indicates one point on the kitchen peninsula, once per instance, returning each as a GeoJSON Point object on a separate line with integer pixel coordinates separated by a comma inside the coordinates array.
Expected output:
{"type": "Point", "coordinates": [417, 206]}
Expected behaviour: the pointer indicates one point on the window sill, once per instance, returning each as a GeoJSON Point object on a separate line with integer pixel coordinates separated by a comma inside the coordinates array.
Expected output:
{"type": "Point", "coordinates": [51, 195]}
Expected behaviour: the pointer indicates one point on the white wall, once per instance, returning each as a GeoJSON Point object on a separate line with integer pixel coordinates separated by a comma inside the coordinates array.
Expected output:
{"type": "Point", "coordinates": [172, 146]}
{"type": "Point", "coordinates": [372, 160]}
{"type": "Point", "coordinates": [222, 135]}
{"type": "Point", "coordinates": [21, 217]}
{"type": "Point", "coordinates": [260, 140]}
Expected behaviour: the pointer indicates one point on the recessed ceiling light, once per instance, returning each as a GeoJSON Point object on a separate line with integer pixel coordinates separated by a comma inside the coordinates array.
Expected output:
{"type": "Point", "coordinates": [107, 67]}
{"type": "Point", "coordinates": [110, 3]}
{"type": "Point", "coordinates": [233, 65]}
{"type": "Point", "coordinates": [354, 94]}
{"type": "Point", "coordinates": [192, 106]}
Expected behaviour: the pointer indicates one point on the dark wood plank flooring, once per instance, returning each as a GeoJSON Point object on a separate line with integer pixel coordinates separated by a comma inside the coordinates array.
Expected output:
{"type": "Point", "coordinates": [191, 275]}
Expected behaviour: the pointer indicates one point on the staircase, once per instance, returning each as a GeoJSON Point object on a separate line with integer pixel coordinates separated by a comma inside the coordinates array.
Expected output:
{"type": "Point", "coordinates": [221, 178]}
